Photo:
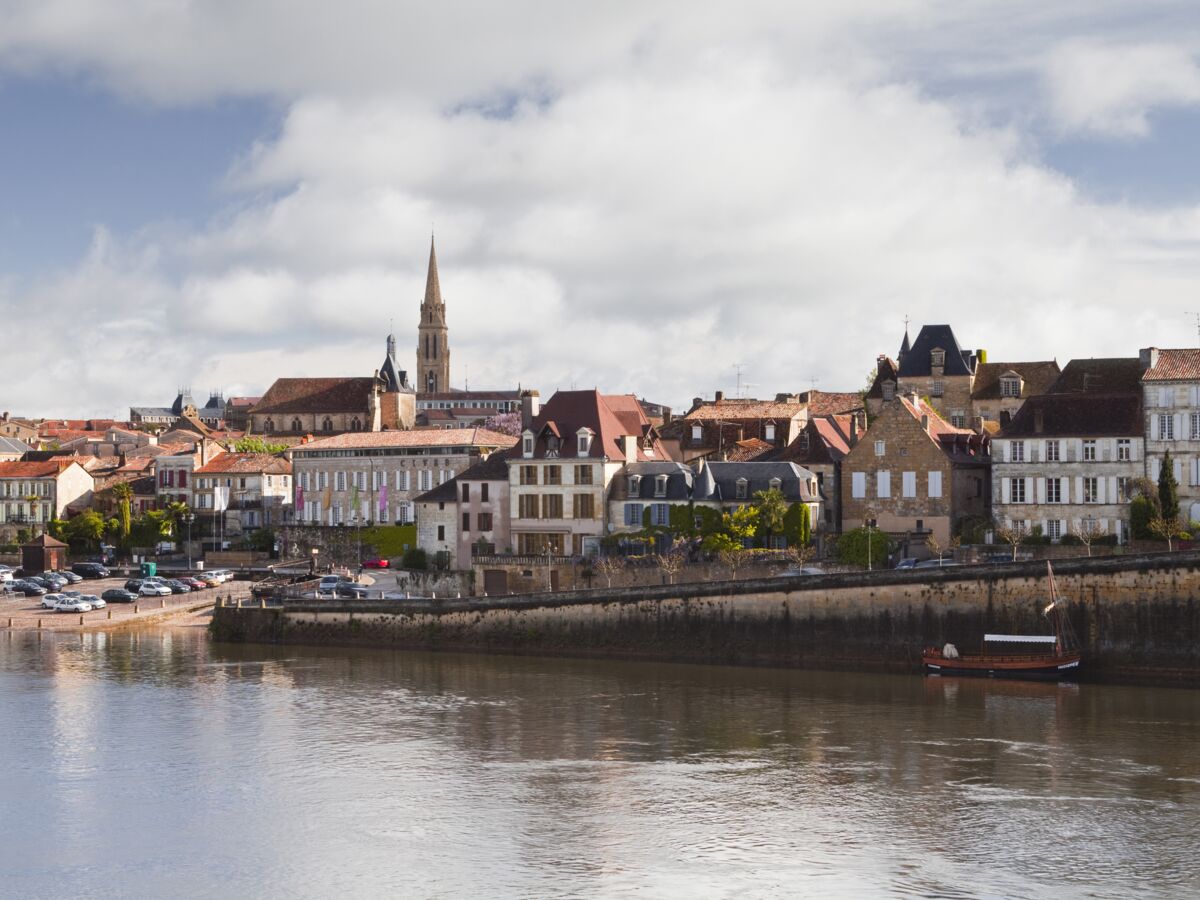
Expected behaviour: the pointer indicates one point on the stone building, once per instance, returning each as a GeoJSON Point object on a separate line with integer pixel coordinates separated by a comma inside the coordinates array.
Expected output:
{"type": "Point", "coordinates": [173, 471]}
{"type": "Point", "coordinates": [374, 477]}
{"type": "Point", "coordinates": [914, 473]}
{"type": "Point", "coordinates": [648, 487]}
{"type": "Point", "coordinates": [934, 366]}
{"type": "Point", "coordinates": [245, 490]}
{"type": "Point", "coordinates": [468, 516]}
{"type": "Point", "coordinates": [33, 493]}
{"type": "Point", "coordinates": [1171, 405]}
{"type": "Point", "coordinates": [820, 448]}
{"type": "Point", "coordinates": [727, 486]}
{"type": "Point", "coordinates": [999, 389]}
{"type": "Point", "coordinates": [433, 334]}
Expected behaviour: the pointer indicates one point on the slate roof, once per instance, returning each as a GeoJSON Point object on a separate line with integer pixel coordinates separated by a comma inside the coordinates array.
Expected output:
{"type": "Point", "coordinates": [12, 445]}
{"type": "Point", "coordinates": [1175, 365]}
{"type": "Point", "coordinates": [446, 492]}
{"type": "Point", "coordinates": [680, 479]}
{"type": "Point", "coordinates": [437, 437]}
{"type": "Point", "coordinates": [246, 464]}
{"type": "Point", "coordinates": [1078, 415]}
{"type": "Point", "coordinates": [395, 379]}
{"type": "Point", "coordinates": [1037, 377]}
{"type": "Point", "coordinates": [718, 480]}
{"type": "Point", "coordinates": [915, 362]}
{"type": "Point", "coordinates": [886, 369]}
{"type": "Point", "coordinates": [316, 395]}
{"type": "Point", "coordinates": [1118, 375]}
{"type": "Point", "coordinates": [609, 416]}
{"type": "Point", "coordinates": [494, 468]}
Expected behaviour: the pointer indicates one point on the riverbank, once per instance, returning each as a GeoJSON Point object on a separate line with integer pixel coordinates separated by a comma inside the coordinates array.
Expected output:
{"type": "Point", "coordinates": [18, 614]}
{"type": "Point", "coordinates": [1137, 617]}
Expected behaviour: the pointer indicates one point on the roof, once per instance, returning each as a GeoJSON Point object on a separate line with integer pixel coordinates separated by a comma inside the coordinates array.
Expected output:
{"type": "Point", "coordinates": [48, 468]}
{"type": "Point", "coordinates": [1037, 378]}
{"type": "Point", "coordinates": [749, 449]}
{"type": "Point", "coordinates": [680, 479]}
{"type": "Point", "coordinates": [12, 445]}
{"type": "Point", "coordinates": [433, 289]}
{"type": "Point", "coordinates": [1078, 415]}
{"type": "Point", "coordinates": [1104, 376]}
{"type": "Point", "coordinates": [885, 370]}
{"type": "Point", "coordinates": [395, 379]}
{"type": "Point", "coordinates": [718, 480]}
{"type": "Point", "coordinates": [726, 408]}
{"type": "Point", "coordinates": [494, 468]}
{"type": "Point", "coordinates": [243, 402]}
{"type": "Point", "coordinates": [608, 416]}
{"type": "Point", "coordinates": [44, 540]}
{"type": "Point", "coordinates": [915, 362]}
{"type": "Point", "coordinates": [446, 492]}
{"type": "Point", "coordinates": [438, 437]}
{"type": "Point", "coordinates": [1175, 365]}
{"type": "Point", "coordinates": [246, 463]}
{"type": "Point", "coordinates": [825, 439]}
{"type": "Point", "coordinates": [316, 395]}
{"type": "Point", "coordinates": [828, 403]}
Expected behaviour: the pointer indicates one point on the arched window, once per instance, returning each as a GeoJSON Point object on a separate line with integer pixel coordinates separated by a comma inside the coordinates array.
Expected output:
{"type": "Point", "coordinates": [327, 424]}
{"type": "Point", "coordinates": [355, 424]}
{"type": "Point", "coordinates": [296, 426]}
{"type": "Point", "coordinates": [269, 426]}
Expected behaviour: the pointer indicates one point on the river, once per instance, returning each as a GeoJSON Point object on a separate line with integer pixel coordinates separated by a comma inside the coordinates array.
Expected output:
{"type": "Point", "coordinates": [159, 765]}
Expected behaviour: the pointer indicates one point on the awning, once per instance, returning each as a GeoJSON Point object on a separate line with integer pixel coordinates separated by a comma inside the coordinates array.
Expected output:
{"type": "Point", "coordinates": [1021, 638]}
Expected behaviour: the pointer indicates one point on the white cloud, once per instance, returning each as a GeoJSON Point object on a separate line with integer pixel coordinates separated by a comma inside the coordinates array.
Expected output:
{"type": "Point", "coordinates": [1110, 89]}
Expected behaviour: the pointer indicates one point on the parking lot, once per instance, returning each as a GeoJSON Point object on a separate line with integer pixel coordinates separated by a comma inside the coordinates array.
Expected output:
{"type": "Point", "coordinates": [18, 612]}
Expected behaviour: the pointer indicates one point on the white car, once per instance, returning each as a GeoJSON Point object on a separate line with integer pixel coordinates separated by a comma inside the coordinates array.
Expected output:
{"type": "Point", "coordinates": [154, 589]}
{"type": "Point", "coordinates": [223, 574]}
{"type": "Point", "coordinates": [94, 601]}
{"type": "Point", "coordinates": [51, 600]}
{"type": "Point", "coordinates": [5, 574]}
{"type": "Point", "coordinates": [72, 604]}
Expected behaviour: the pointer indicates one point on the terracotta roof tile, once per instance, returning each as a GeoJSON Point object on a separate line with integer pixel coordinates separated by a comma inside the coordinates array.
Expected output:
{"type": "Point", "coordinates": [438, 437]}
{"type": "Point", "coordinates": [1175, 365]}
{"type": "Point", "coordinates": [247, 464]}
{"type": "Point", "coordinates": [44, 469]}
{"type": "Point", "coordinates": [316, 395]}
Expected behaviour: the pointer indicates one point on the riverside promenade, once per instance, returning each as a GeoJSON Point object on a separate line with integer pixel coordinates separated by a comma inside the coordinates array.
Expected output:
{"type": "Point", "coordinates": [1138, 618]}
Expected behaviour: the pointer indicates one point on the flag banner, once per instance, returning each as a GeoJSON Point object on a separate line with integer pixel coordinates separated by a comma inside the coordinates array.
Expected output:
{"type": "Point", "coordinates": [383, 501]}
{"type": "Point", "coordinates": [299, 497]}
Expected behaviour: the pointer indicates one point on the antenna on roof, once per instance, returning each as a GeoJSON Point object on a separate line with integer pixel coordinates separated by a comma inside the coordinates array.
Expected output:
{"type": "Point", "coordinates": [466, 378]}
{"type": "Point", "coordinates": [737, 367]}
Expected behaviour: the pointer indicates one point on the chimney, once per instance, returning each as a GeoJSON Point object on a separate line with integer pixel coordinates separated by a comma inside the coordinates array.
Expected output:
{"type": "Point", "coordinates": [1148, 357]}
{"type": "Point", "coordinates": [531, 405]}
{"type": "Point", "coordinates": [697, 402]}
{"type": "Point", "coordinates": [720, 395]}
{"type": "Point", "coordinates": [853, 430]}
{"type": "Point", "coordinates": [629, 443]}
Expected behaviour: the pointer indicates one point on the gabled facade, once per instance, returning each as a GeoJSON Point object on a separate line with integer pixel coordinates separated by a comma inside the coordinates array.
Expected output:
{"type": "Point", "coordinates": [999, 389]}
{"type": "Point", "coordinates": [561, 471]}
{"type": "Point", "coordinates": [934, 366]}
{"type": "Point", "coordinates": [33, 493]}
{"type": "Point", "coordinates": [468, 516]}
{"type": "Point", "coordinates": [1171, 405]}
{"type": "Point", "coordinates": [820, 448]}
{"type": "Point", "coordinates": [246, 490]}
{"type": "Point", "coordinates": [173, 472]}
{"type": "Point", "coordinates": [915, 473]}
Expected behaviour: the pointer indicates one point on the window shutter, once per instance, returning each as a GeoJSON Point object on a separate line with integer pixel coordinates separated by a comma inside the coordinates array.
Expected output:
{"type": "Point", "coordinates": [1179, 423]}
{"type": "Point", "coordinates": [1133, 450]}
{"type": "Point", "coordinates": [1041, 490]}
{"type": "Point", "coordinates": [1029, 495]}
{"type": "Point", "coordinates": [1007, 452]}
{"type": "Point", "coordinates": [1100, 489]}
{"type": "Point", "coordinates": [1178, 470]}
{"type": "Point", "coordinates": [1079, 488]}
{"type": "Point", "coordinates": [1154, 428]}
{"type": "Point", "coordinates": [1005, 490]}
{"type": "Point", "coordinates": [1113, 496]}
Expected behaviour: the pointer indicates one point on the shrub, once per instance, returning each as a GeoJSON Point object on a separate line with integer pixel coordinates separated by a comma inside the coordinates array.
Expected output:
{"type": "Point", "coordinates": [415, 559]}
{"type": "Point", "coordinates": [1141, 510]}
{"type": "Point", "coordinates": [852, 547]}
{"type": "Point", "coordinates": [1071, 540]}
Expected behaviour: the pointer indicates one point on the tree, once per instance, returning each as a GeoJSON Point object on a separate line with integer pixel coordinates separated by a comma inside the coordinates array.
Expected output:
{"type": "Point", "coordinates": [800, 554]}
{"type": "Point", "coordinates": [934, 545]}
{"type": "Point", "coordinates": [741, 524]}
{"type": "Point", "coordinates": [505, 423]}
{"type": "Point", "coordinates": [1087, 530]}
{"type": "Point", "coordinates": [1142, 511]}
{"type": "Point", "coordinates": [123, 494]}
{"type": "Point", "coordinates": [720, 543]}
{"type": "Point", "coordinates": [670, 562]}
{"type": "Point", "coordinates": [771, 509]}
{"type": "Point", "coordinates": [608, 566]}
{"type": "Point", "coordinates": [83, 532]}
{"type": "Point", "coordinates": [1168, 490]}
{"type": "Point", "coordinates": [732, 560]}
{"type": "Point", "coordinates": [253, 444]}
{"type": "Point", "coordinates": [797, 525]}
{"type": "Point", "coordinates": [863, 547]}
{"type": "Point", "coordinates": [175, 511]}
{"type": "Point", "coordinates": [1165, 529]}
{"type": "Point", "coordinates": [1012, 534]}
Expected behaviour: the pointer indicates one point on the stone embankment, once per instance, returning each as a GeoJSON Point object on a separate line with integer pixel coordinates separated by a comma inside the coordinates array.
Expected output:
{"type": "Point", "coordinates": [1138, 618]}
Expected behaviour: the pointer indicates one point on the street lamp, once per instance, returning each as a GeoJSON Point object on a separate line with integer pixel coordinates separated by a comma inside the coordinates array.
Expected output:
{"type": "Point", "coordinates": [312, 566]}
{"type": "Point", "coordinates": [870, 523]}
{"type": "Point", "coordinates": [188, 519]}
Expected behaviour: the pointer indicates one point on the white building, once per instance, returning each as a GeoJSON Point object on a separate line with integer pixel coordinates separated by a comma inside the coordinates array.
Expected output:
{"type": "Point", "coordinates": [1171, 401]}
{"type": "Point", "coordinates": [33, 493]}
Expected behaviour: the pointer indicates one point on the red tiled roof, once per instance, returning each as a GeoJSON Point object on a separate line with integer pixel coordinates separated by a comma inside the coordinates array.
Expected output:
{"type": "Point", "coordinates": [609, 416]}
{"type": "Point", "coordinates": [749, 450]}
{"type": "Point", "coordinates": [44, 469]}
{"type": "Point", "coordinates": [1175, 365]}
{"type": "Point", "coordinates": [746, 409]}
{"type": "Point", "coordinates": [828, 403]}
{"type": "Point", "coordinates": [438, 437]}
{"type": "Point", "coordinates": [315, 395]}
{"type": "Point", "coordinates": [246, 463]}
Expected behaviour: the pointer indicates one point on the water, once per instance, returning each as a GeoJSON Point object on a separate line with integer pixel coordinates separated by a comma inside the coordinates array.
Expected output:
{"type": "Point", "coordinates": [158, 765]}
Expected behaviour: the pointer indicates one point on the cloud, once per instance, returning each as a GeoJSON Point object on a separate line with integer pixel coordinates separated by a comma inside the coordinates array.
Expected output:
{"type": "Point", "coordinates": [1110, 89]}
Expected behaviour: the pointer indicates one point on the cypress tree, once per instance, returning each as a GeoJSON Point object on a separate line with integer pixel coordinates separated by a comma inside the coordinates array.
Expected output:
{"type": "Point", "coordinates": [1168, 489]}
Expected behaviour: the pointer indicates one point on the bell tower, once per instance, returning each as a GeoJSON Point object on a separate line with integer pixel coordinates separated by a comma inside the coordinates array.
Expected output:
{"type": "Point", "coordinates": [433, 344]}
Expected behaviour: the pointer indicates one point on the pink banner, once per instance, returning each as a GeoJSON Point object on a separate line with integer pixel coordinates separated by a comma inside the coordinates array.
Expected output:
{"type": "Point", "coordinates": [299, 498]}
{"type": "Point", "coordinates": [383, 500]}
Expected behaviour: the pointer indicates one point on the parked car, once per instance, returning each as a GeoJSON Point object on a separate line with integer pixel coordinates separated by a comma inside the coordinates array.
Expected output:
{"type": "Point", "coordinates": [90, 570]}
{"type": "Point", "coordinates": [46, 583]}
{"type": "Point", "coordinates": [937, 564]}
{"type": "Point", "coordinates": [72, 604]}
{"type": "Point", "coordinates": [223, 574]}
{"type": "Point", "coordinates": [71, 577]}
{"type": "Point", "coordinates": [6, 574]}
{"type": "Point", "coordinates": [907, 564]}
{"type": "Point", "coordinates": [331, 582]}
{"type": "Point", "coordinates": [27, 587]}
{"type": "Point", "coordinates": [119, 595]}
{"type": "Point", "coordinates": [376, 564]}
{"type": "Point", "coordinates": [210, 580]}
{"type": "Point", "coordinates": [177, 586]}
{"type": "Point", "coordinates": [154, 589]}
{"type": "Point", "coordinates": [94, 601]}
{"type": "Point", "coordinates": [133, 584]}
{"type": "Point", "coordinates": [194, 583]}
{"type": "Point", "coordinates": [51, 600]}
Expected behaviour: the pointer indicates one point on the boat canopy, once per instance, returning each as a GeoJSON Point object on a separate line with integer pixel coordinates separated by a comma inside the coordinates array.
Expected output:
{"type": "Point", "coordinates": [1021, 638]}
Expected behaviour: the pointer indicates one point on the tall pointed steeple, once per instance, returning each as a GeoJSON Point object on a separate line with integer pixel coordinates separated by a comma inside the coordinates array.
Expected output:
{"type": "Point", "coordinates": [433, 336]}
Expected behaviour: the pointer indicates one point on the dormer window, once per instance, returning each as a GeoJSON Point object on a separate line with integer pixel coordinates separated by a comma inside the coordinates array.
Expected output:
{"type": "Point", "coordinates": [937, 357]}
{"type": "Point", "coordinates": [660, 485]}
{"type": "Point", "coordinates": [889, 390]}
{"type": "Point", "coordinates": [770, 431]}
{"type": "Point", "coordinates": [527, 445]}
{"type": "Point", "coordinates": [583, 441]}
{"type": "Point", "coordinates": [697, 432]}
{"type": "Point", "coordinates": [552, 444]}
{"type": "Point", "coordinates": [775, 484]}
{"type": "Point", "coordinates": [742, 489]}
{"type": "Point", "coordinates": [635, 485]}
{"type": "Point", "coordinates": [1010, 386]}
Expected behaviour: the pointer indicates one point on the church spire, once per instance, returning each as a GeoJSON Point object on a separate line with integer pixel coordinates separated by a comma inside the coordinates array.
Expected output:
{"type": "Point", "coordinates": [433, 290]}
{"type": "Point", "coordinates": [433, 337]}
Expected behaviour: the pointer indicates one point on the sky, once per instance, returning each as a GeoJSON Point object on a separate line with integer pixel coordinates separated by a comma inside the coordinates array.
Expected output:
{"type": "Point", "coordinates": [645, 197]}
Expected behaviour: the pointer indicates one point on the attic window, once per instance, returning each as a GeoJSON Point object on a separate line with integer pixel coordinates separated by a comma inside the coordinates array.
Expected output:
{"type": "Point", "coordinates": [551, 446]}
{"type": "Point", "coordinates": [697, 432]}
{"type": "Point", "coordinates": [527, 445]}
{"type": "Point", "coordinates": [937, 388]}
{"type": "Point", "coordinates": [770, 431]}
{"type": "Point", "coordinates": [937, 357]}
{"type": "Point", "coordinates": [775, 484]}
{"type": "Point", "coordinates": [660, 485]}
{"type": "Point", "coordinates": [583, 441]}
{"type": "Point", "coordinates": [742, 489]}
{"type": "Point", "coordinates": [635, 485]}
{"type": "Point", "coordinates": [1010, 386]}
{"type": "Point", "coordinates": [889, 390]}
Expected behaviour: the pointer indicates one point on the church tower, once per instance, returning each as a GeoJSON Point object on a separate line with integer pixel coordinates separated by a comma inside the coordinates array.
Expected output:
{"type": "Point", "coordinates": [433, 345]}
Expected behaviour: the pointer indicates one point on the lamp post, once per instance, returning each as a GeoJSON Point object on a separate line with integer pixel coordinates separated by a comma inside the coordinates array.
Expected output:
{"type": "Point", "coordinates": [188, 519]}
{"type": "Point", "coordinates": [870, 523]}
{"type": "Point", "coordinates": [312, 566]}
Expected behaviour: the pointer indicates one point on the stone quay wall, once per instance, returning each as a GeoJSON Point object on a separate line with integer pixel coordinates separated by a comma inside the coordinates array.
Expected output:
{"type": "Point", "coordinates": [1137, 617]}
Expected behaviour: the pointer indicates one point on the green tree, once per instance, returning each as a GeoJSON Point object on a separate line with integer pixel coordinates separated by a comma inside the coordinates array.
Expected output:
{"type": "Point", "coordinates": [250, 444]}
{"type": "Point", "coordinates": [123, 494]}
{"type": "Point", "coordinates": [771, 510]}
{"type": "Point", "coordinates": [1168, 489]}
{"type": "Point", "coordinates": [797, 525]}
{"type": "Point", "coordinates": [741, 524]}
{"type": "Point", "coordinates": [175, 511]}
{"type": "Point", "coordinates": [852, 547]}
{"type": "Point", "coordinates": [1142, 511]}
{"type": "Point", "coordinates": [719, 542]}
{"type": "Point", "coordinates": [83, 532]}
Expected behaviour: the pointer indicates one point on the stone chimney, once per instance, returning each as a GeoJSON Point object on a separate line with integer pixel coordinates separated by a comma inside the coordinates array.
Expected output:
{"type": "Point", "coordinates": [1148, 357]}
{"type": "Point", "coordinates": [629, 446]}
{"type": "Point", "coordinates": [531, 405]}
{"type": "Point", "coordinates": [719, 396]}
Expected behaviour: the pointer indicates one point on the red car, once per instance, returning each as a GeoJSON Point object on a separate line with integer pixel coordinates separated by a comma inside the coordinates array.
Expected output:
{"type": "Point", "coordinates": [194, 583]}
{"type": "Point", "coordinates": [375, 564]}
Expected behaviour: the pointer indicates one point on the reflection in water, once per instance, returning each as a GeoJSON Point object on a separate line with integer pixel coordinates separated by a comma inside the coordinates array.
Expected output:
{"type": "Point", "coordinates": [154, 764]}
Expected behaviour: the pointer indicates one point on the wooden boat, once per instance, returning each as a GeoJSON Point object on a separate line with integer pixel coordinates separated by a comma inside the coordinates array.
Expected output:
{"type": "Point", "coordinates": [1016, 655]}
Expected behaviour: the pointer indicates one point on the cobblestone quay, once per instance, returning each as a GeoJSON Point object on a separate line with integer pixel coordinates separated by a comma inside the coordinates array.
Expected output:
{"type": "Point", "coordinates": [1137, 617]}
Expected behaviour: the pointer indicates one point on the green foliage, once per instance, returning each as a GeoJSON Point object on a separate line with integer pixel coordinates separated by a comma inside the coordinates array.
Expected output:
{"type": "Point", "coordinates": [24, 535]}
{"type": "Point", "coordinates": [797, 525]}
{"type": "Point", "coordinates": [741, 523]}
{"type": "Point", "coordinates": [770, 509]}
{"type": "Point", "coordinates": [1070, 540]}
{"type": "Point", "coordinates": [416, 559]}
{"type": "Point", "coordinates": [389, 541]}
{"type": "Point", "coordinates": [1168, 489]}
{"type": "Point", "coordinates": [82, 533]}
{"type": "Point", "coordinates": [123, 494]}
{"type": "Point", "coordinates": [720, 542]}
{"type": "Point", "coordinates": [150, 528]}
{"type": "Point", "coordinates": [1141, 511]}
{"type": "Point", "coordinates": [250, 444]}
{"type": "Point", "coordinates": [262, 540]}
{"type": "Point", "coordinates": [1036, 538]}
{"type": "Point", "coordinates": [852, 547]}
